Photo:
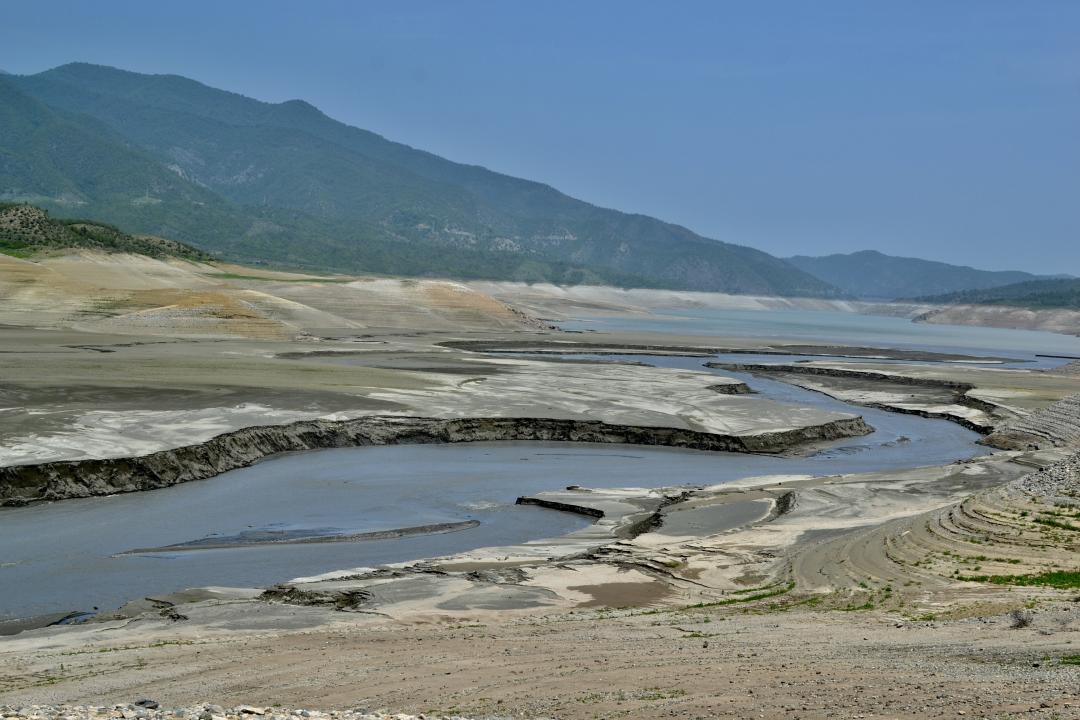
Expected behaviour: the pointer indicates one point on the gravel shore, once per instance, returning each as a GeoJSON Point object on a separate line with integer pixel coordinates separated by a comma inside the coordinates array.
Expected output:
{"type": "Point", "coordinates": [1059, 482]}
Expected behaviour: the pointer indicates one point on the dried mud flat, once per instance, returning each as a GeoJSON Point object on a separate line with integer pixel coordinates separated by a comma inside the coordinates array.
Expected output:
{"type": "Point", "coordinates": [896, 594]}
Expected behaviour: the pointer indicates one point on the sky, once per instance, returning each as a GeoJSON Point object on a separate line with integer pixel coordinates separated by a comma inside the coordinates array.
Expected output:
{"type": "Point", "coordinates": [945, 130]}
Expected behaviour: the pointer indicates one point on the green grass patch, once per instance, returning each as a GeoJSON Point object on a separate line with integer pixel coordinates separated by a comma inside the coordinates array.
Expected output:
{"type": "Point", "coordinates": [868, 605]}
{"type": "Point", "coordinates": [1061, 525]}
{"type": "Point", "coordinates": [1071, 660]}
{"type": "Point", "coordinates": [747, 598]}
{"type": "Point", "coordinates": [17, 249]}
{"type": "Point", "coordinates": [1064, 579]}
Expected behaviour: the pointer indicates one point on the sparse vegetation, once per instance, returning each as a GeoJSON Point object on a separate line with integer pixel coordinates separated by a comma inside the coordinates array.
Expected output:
{"type": "Point", "coordinates": [1064, 579]}
{"type": "Point", "coordinates": [1059, 524]}
{"type": "Point", "coordinates": [781, 590]}
{"type": "Point", "coordinates": [26, 230]}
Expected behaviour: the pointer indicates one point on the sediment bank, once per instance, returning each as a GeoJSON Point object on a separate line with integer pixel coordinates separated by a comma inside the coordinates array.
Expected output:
{"type": "Point", "coordinates": [957, 391]}
{"type": "Point", "coordinates": [22, 484]}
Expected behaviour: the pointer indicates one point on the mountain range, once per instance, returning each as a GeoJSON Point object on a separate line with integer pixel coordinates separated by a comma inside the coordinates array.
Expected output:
{"type": "Point", "coordinates": [872, 275]}
{"type": "Point", "coordinates": [283, 183]}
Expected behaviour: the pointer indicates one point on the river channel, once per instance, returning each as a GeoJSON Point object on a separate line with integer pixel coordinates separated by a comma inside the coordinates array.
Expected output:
{"type": "Point", "coordinates": [75, 555]}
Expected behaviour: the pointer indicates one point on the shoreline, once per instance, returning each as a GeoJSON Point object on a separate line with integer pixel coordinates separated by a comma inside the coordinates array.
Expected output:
{"type": "Point", "coordinates": [958, 390]}
{"type": "Point", "coordinates": [734, 596]}
{"type": "Point", "coordinates": [615, 514]}
{"type": "Point", "coordinates": [551, 301]}
{"type": "Point", "coordinates": [24, 484]}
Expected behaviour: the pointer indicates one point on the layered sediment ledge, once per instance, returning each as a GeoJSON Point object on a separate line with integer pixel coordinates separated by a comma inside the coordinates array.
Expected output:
{"type": "Point", "coordinates": [23, 484]}
{"type": "Point", "coordinates": [949, 392]}
{"type": "Point", "coordinates": [1055, 426]}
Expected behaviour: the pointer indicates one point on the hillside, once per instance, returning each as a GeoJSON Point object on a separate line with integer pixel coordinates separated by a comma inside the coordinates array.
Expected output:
{"type": "Point", "coordinates": [285, 183]}
{"type": "Point", "coordinates": [25, 229]}
{"type": "Point", "coordinates": [873, 275]}
{"type": "Point", "coordinates": [1050, 294]}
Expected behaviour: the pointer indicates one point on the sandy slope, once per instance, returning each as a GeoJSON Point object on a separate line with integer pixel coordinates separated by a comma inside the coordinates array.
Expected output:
{"type": "Point", "coordinates": [130, 294]}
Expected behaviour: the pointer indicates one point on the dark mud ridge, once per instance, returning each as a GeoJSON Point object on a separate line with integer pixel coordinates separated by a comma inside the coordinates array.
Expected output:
{"type": "Point", "coordinates": [563, 347]}
{"type": "Point", "coordinates": [22, 484]}
{"type": "Point", "coordinates": [867, 353]}
{"type": "Point", "coordinates": [561, 506]}
{"type": "Point", "coordinates": [253, 538]}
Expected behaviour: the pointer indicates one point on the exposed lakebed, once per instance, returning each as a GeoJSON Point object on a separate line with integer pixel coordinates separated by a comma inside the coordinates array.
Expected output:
{"type": "Point", "coordinates": [77, 554]}
{"type": "Point", "coordinates": [846, 328]}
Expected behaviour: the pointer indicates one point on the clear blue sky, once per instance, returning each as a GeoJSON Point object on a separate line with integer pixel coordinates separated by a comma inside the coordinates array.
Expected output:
{"type": "Point", "coordinates": [943, 129]}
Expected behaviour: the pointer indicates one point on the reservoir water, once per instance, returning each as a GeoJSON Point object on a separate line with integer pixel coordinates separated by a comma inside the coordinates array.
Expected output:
{"type": "Point", "coordinates": [808, 326]}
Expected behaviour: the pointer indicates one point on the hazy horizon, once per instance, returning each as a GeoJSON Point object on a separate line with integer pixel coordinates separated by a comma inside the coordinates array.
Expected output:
{"type": "Point", "coordinates": [940, 132]}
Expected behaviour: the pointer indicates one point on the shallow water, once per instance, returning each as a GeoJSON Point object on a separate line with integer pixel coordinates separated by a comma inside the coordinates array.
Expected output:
{"type": "Point", "coordinates": [64, 556]}
{"type": "Point", "coordinates": [812, 326]}
{"type": "Point", "coordinates": [898, 441]}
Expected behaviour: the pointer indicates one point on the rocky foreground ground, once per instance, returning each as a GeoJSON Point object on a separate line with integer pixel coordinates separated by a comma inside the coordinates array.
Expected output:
{"type": "Point", "coordinates": [151, 710]}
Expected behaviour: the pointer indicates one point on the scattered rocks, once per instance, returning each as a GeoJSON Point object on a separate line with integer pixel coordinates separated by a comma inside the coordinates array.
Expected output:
{"type": "Point", "coordinates": [1071, 369]}
{"type": "Point", "coordinates": [150, 710]}
{"type": "Point", "coordinates": [338, 599]}
{"type": "Point", "coordinates": [1059, 482]}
